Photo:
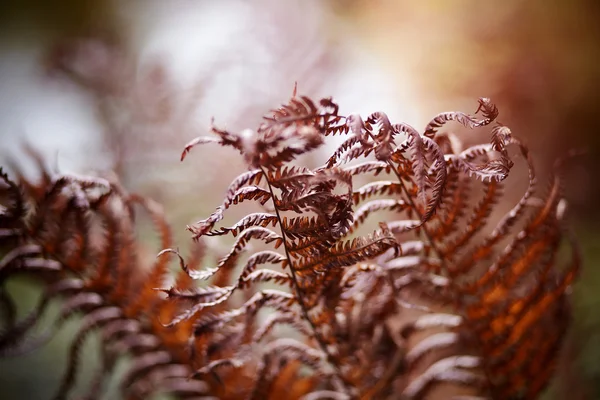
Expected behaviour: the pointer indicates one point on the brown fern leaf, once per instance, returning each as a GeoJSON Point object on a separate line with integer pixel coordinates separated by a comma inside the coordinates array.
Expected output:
{"type": "Point", "coordinates": [382, 317]}
{"type": "Point", "coordinates": [510, 305]}
{"type": "Point", "coordinates": [77, 239]}
{"type": "Point", "coordinates": [431, 305]}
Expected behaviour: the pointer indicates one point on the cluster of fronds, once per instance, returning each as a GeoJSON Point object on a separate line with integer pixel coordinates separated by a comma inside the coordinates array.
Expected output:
{"type": "Point", "coordinates": [428, 305]}
{"type": "Point", "coordinates": [76, 236]}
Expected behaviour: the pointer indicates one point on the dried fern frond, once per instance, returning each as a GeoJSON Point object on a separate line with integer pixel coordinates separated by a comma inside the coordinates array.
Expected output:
{"type": "Point", "coordinates": [436, 300]}
{"type": "Point", "coordinates": [76, 236]}
{"type": "Point", "coordinates": [409, 316]}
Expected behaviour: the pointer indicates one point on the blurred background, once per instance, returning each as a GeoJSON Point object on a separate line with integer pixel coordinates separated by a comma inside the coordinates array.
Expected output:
{"type": "Point", "coordinates": [98, 85]}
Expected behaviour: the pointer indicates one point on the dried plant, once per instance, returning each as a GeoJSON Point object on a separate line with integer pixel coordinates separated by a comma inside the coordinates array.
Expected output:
{"type": "Point", "coordinates": [436, 302]}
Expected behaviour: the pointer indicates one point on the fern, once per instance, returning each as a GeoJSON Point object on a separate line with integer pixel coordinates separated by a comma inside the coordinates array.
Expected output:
{"type": "Point", "coordinates": [430, 303]}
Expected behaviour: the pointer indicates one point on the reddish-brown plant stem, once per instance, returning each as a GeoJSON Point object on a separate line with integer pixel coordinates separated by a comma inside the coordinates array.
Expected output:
{"type": "Point", "coordinates": [299, 295]}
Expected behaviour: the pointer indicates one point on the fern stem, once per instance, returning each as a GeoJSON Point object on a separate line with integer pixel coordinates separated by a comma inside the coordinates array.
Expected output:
{"type": "Point", "coordinates": [299, 296]}
{"type": "Point", "coordinates": [414, 207]}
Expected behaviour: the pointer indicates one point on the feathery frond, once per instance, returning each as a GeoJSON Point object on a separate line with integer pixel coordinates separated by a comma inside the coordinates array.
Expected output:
{"type": "Point", "coordinates": [439, 302]}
